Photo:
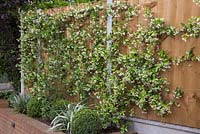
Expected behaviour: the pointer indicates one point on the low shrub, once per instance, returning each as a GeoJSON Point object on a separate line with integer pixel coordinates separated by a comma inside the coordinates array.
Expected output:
{"type": "Point", "coordinates": [19, 102]}
{"type": "Point", "coordinates": [86, 122]}
{"type": "Point", "coordinates": [57, 107]}
{"type": "Point", "coordinates": [60, 104]}
{"type": "Point", "coordinates": [5, 94]}
{"type": "Point", "coordinates": [34, 107]}
{"type": "Point", "coordinates": [50, 110]}
{"type": "Point", "coordinates": [45, 109]}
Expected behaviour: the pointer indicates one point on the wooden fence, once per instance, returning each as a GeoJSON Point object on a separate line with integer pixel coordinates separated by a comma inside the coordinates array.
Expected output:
{"type": "Point", "coordinates": [187, 75]}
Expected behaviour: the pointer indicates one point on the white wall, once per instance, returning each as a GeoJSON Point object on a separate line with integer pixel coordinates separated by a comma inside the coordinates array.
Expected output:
{"type": "Point", "coordinates": [153, 127]}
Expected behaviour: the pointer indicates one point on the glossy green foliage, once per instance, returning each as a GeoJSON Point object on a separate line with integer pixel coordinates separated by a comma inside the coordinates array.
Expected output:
{"type": "Point", "coordinates": [86, 122]}
{"type": "Point", "coordinates": [5, 94]}
{"type": "Point", "coordinates": [46, 4]}
{"type": "Point", "coordinates": [34, 107]}
{"type": "Point", "coordinates": [57, 107]}
{"type": "Point", "coordinates": [75, 44]}
{"type": "Point", "coordinates": [197, 2]}
{"type": "Point", "coordinates": [191, 28]}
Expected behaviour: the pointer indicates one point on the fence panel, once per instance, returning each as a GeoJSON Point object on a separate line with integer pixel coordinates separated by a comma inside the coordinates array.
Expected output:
{"type": "Point", "coordinates": [187, 75]}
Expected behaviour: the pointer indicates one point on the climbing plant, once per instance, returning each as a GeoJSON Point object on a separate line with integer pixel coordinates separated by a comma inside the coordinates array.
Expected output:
{"type": "Point", "coordinates": [68, 51]}
{"type": "Point", "coordinates": [45, 4]}
{"type": "Point", "coordinates": [191, 28]}
{"type": "Point", "coordinates": [197, 2]}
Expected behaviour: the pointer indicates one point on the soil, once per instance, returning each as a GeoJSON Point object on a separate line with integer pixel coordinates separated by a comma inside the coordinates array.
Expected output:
{"type": "Point", "coordinates": [110, 130]}
{"type": "Point", "coordinates": [47, 122]}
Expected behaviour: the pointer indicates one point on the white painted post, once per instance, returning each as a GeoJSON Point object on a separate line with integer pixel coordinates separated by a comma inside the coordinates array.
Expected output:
{"type": "Point", "coordinates": [109, 43]}
{"type": "Point", "coordinates": [22, 91]}
{"type": "Point", "coordinates": [22, 82]}
{"type": "Point", "coordinates": [39, 59]}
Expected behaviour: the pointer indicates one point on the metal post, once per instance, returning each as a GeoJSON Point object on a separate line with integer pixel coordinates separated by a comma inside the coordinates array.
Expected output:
{"type": "Point", "coordinates": [109, 43]}
{"type": "Point", "coordinates": [22, 82]}
{"type": "Point", "coordinates": [39, 61]}
{"type": "Point", "coordinates": [22, 91]}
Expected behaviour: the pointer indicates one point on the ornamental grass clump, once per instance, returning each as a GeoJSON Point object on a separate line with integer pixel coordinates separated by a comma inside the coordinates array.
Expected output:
{"type": "Point", "coordinates": [63, 120]}
{"type": "Point", "coordinates": [19, 102]}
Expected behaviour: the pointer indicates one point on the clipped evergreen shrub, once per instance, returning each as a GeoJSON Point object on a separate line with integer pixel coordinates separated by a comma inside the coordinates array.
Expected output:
{"type": "Point", "coordinates": [46, 109]}
{"type": "Point", "coordinates": [34, 107]}
{"type": "Point", "coordinates": [57, 107]}
{"type": "Point", "coordinates": [60, 104]}
{"type": "Point", "coordinates": [86, 121]}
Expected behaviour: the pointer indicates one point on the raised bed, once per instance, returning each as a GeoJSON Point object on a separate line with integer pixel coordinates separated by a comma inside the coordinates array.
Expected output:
{"type": "Point", "coordinates": [14, 123]}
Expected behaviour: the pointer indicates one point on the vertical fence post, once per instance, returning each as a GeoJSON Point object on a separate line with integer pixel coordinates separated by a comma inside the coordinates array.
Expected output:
{"type": "Point", "coordinates": [39, 59]}
{"type": "Point", "coordinates": [109, 43]}
{"type": "Point", "coordinates": [22, 91]}
{"type": "Point", "coordinates": [38, 63]}
{"type": "Point", "coordinates": [22, 82]}
{"type": "Point", "coordinates": [38, 54]}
